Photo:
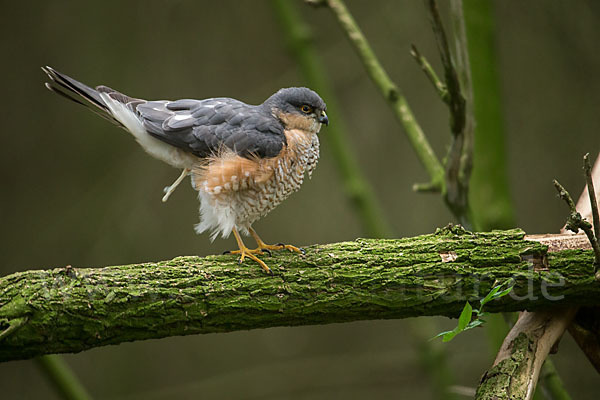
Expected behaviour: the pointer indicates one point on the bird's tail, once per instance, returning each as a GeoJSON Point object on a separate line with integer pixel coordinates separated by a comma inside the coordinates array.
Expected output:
{"type": "Point", "coordinates": [94, 99]}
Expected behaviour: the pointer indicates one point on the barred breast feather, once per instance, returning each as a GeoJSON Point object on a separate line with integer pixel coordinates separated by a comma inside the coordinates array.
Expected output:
{"type": "Point", "coordinates": [236, 191]}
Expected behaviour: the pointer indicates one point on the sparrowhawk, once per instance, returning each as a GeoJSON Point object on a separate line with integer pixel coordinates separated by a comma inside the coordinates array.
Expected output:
{"type": "Point", "coordinates": [243, 159]}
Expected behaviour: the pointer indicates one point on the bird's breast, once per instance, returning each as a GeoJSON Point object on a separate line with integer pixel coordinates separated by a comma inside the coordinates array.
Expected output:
{"type": "Point", "coordinates": [251, 187]}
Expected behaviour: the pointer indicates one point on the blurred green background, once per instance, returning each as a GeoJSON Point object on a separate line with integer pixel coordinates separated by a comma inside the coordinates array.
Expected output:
{"type": "Point", "coordinates": [77, 190]}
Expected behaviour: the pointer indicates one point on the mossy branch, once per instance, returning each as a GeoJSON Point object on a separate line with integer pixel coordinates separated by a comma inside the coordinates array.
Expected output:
{"type": "Point", "coordinates": [517, 367]}
{"type": "Point", "coordinates": [72, 309]}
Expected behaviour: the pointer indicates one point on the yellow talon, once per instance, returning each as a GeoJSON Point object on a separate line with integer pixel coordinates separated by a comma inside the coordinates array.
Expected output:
{"type": "Point", "coordinates": [246, 252]}
{"type": "Point", "coordinates": [262, 248]}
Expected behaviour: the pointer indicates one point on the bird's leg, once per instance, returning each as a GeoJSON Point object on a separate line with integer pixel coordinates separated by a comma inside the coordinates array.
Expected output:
{"type": "Point", "coordinates": [170, 189]}
{"type": "Point", "coordinates": [266, 247]}
{"type": "Point", "coordinates": [246, 252]}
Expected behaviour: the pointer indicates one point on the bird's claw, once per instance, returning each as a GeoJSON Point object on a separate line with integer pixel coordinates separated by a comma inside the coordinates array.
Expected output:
{"type": "Point", "coordinates": [250, 253]}
{"type": "Point", "coordinates": [282, 246]}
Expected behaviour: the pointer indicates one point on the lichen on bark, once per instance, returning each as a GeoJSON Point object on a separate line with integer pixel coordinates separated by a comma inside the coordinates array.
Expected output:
{"type": "Point", "coordinates": [499, 381]}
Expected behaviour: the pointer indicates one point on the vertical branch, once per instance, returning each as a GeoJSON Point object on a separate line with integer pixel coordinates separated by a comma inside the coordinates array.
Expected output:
{"type": "Point", "coordinates": [553, 385]}
{"type": "Point", "coordinates": [584, 327]}
{"type": "Point", "coordinates": [584, 204]}
{"type": "Point", "coordinates": [61, 376]}
{"type": "Point", "coordinates": [299, 41]}
{"type": "Point", "coordinates": [476, 62]}
{"type": "Point", "coordinates": [456, 100]}
{"type": "Point", "coordinates": [463, 70]}
{"type": "Point", "coordinates": [458, 160]}
{"type": "Point", "coordinates": [53, 366]}
{"type": "Point", "coordinates": [492, 206]}
{"type": "Point", "coordinates": [592, 195]}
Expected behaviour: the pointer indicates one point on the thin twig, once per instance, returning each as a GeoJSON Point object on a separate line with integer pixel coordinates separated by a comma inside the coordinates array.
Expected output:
{"type": "Point", "coordinates": [575, 221]}
{"type": "Point", "coordinates": [430, 73]}
{"type": "Point", "coordinates": [592, 194]}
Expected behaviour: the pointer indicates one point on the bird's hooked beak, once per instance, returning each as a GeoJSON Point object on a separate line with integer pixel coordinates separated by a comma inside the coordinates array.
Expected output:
{"type": "Point", "coordinates": [323, 118]}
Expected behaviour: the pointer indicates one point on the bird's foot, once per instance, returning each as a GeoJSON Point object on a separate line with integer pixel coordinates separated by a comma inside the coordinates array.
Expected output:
{"type": "Point", "coordinates": [268, 247]}
{"type": "Point", "coordinates": [250, 253]}
{"type": "Point", "coordinates": [280, 246]}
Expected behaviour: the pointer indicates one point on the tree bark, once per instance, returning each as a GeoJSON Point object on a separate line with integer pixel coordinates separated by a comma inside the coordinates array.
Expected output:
{"type": "Point", "coordinates": [73, 309]}
{"type": "Point", "coordinates": [516, 369]}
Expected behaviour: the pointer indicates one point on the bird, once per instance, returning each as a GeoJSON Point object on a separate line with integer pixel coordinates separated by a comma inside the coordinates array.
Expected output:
{"type": "Point", "coordinates": [243, 159]}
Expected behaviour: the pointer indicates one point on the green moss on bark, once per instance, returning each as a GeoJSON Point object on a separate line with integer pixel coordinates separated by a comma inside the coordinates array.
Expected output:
{"type": "Point", "coordinates": [501, 382]}
{"type": "Point", "coordinates": [73, 309]}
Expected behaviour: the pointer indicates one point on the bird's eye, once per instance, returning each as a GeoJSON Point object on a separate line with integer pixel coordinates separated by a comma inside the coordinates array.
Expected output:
{"type": "Point", "coordinates": [306, 109]}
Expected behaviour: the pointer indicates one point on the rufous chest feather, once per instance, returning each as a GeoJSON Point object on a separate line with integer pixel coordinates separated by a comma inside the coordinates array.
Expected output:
{"type": "Point", "coordinates": [231, 172]}
{"type": "Point", "coordinates": [248, 188]}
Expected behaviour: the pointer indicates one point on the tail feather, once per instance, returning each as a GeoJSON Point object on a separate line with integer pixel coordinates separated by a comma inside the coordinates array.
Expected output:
{"type": "Point", "coordinates": [64, 83]}
{"type": "Point", "coordinates": [119, 109]}
{"type": "Point", "coordinates": [66, 94]}
{"type": "Point", "coordinates": [82, 94]}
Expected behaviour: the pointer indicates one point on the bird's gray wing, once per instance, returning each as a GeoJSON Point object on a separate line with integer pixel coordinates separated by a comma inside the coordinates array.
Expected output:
{"type": "Point", "coordinates": [203, 127]}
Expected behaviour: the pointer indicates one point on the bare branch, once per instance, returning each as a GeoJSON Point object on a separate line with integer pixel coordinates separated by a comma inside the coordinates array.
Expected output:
{"type": "Point", "coordinates": [575, 221]}
{"type": "Point", "coordinates": [458, 164]}
{"type": "Point", "coordinates": [592, 195]}
{"type": "Point", "coordinates": [457, 101]}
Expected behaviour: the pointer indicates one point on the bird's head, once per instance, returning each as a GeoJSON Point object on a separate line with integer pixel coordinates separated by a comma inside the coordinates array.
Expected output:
{"type": "Point", "coordinates": [299, 108]}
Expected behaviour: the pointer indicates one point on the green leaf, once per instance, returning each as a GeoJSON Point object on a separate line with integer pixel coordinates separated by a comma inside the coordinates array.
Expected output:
{"type": "Point", "coordinates": [464, 320]}
{"type": "Point", "coordinates": [504, 292]}
{"type": "Point", "coordinates": [475, 324]}
{"type": "Point", "coordinates": [495, 294]}
{"type": "Point", "coordinates": [440, 334]}
{"type": "Point", "coordinates": [450, 335]}
{"type": "Point", "coordinates": [465, 317]}
{"type": "Point", "coordinates": [490, 295]}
